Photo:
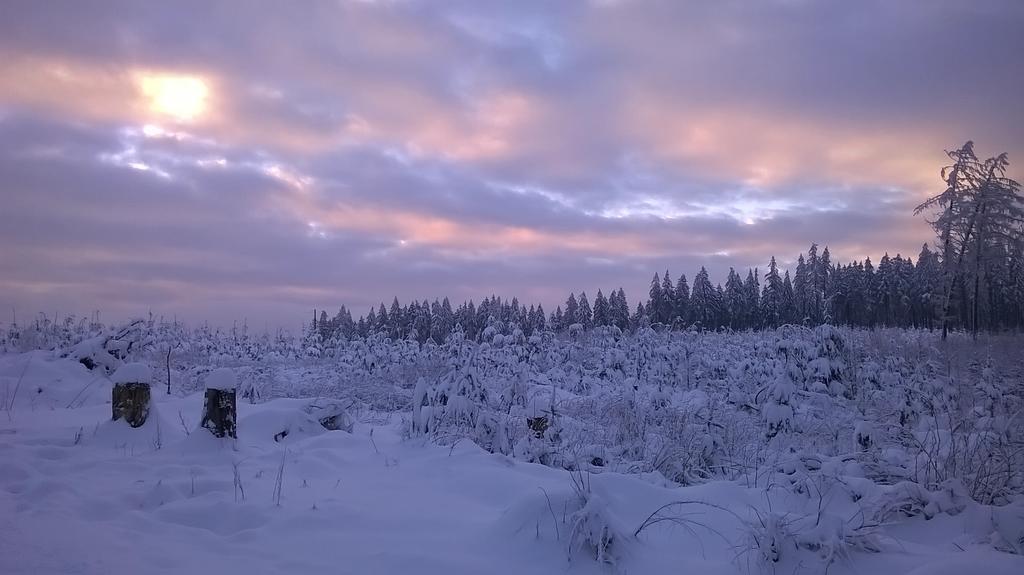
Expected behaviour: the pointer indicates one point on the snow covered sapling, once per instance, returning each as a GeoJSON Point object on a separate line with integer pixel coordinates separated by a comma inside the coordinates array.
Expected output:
{"type": "Point", "coordinates": [777, 410]}
{"type": "Point", "coordinates": [593, 528]}
{"type": "Point", "coordinates": [239, 488]}
{"type": "Point", "coordinates": [491, 432]}
{"type": "Point", "coordinates": [770, 536]}
{"type": "Point", "coordinates": [830, 365]}
{"type": "Point", "coordinates": [864, 436]}
{"type": "Point", "coordinates": [421, 418]}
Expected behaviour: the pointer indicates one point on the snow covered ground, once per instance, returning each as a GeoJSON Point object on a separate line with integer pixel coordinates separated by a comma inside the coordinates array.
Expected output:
{"type": "Point", "coordinates": [82, 494]}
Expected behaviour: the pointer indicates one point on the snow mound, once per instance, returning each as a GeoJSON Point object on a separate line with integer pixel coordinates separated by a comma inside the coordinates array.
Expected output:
{"type": "Point", "coordinates": [286, 420]}
{"type": "Point", "coordinates": [92, 353]}
{"type": "Point", "coordinates": [222, 378]}
{"type": "Point", "coordinates": [332, 415]}
{"type": "Point", "coordinates": [1009, 524]}
{"type": "Point", "coordinates": [133, 373]}
{"type": "Point", "coordinates": [118, 435]}
{"type": "Point", "coordinates": [987, 563]}
{"type": "Point", "coordinates": [45, 384]}
{"type": "Point", "coordinates": [533, 516]}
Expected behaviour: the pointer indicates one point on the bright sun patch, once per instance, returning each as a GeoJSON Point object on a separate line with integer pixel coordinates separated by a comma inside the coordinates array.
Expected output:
{"type": "Point", "coordinates": [182, 98]}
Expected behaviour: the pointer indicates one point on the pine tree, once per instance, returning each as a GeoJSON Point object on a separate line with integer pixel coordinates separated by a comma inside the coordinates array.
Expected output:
{"type": "Point", "coordinates": [868, 289]}
{"type": "Point", "coordinates": [704, 305]}
{"type": "Point", "coordinates": [802, 291]}
{"type": "Point", "coordinates": [789, 314]}
{"type": "Point", "coordinates": [324, 326]}
{"type": "Point", "coordinates": [422, 322]}
{"type": "Point", "coordinates": [667, 309]}
{"type": "Point", "coordinates": [682, 299]}
{"type": "Point", "coordinates": [926, 293]}
{"type": "Point", "coordinates": [640, 318]}
{"type": "Point", "coordinates": [960, 178]}
{"type": "Point", "coordinates": [881, 294]}
{"type": "Point", "coordinates": [383, 321]}
{"type": "Point", "coordinates": [824, 287]}
{"type": "Point", "coordinates": [602, 312]}
{"type": "Point", "coordinates": [735, 301]}
{"type": "Point", "coordinates": [771, 297]}
{"type": "Point", "coordinates": [657, 299]}
{"type": "Point", "coordinates": [584, 315]}
{"type": "Point", "coordinates": [613, 308]}
{"type": "Point", "coordinates": [753, 305]}
{"type": "Point", "coordinates": [395, 325]}
{"type": "Point", "coordinates": [996, 217]}
{"type": "Point", "coordinates": [621, 310]}
{"type": "Point", "coordinates": [814, 296]}
{"type": "Point", "coordinates": [572, 310]}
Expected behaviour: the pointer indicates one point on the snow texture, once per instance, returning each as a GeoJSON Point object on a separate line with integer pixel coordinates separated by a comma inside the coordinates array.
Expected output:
{"type": "Point", "coordinates": [222, 378]}
{"type": "Point", "coordinates": [133, 373]}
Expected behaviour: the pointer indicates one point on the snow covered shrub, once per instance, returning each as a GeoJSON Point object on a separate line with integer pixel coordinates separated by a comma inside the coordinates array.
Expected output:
{"type": "Point", "coordinates": [815, 539]}
{"type": "Point", "coordinates": [462, 396]}
{"type": "Point", "coordinates": [909, 499]}
{"type": "Point", "coordinates": [684, 440]}
{"type": "Point", "coordinates": [988, 463]}
{"type": "Point", "coordinates": [490, 432]}
{"type": "Point", "coordinates": [541, 440]}
{"type": "Point", "coordinates": [1008, 522]}
{"type": "Point", "coordinates": [794, 347]}
{"type": "Point", "coordinates": [685, 464]}
{"type": "Point", "coordinates": [332, 415]}
{"type": "Point", "coordinates": [92, 353]}
{"type": "Point", "coordinates": [694, 406]}
{"type": "Point", "coordinates": [256, 382]}
{"type": "Point", "coordinates": [594, 530]}
{"type": "Point", "coordinates": [864, 436]}
{"type": "Point", "coordinates": [831, 362]}
{"type": "Point", "coordinates": [421, 418]}
{"type": "Point", "coordinates": [955, 428]}
{"type": "Point", "coordinates": [770, 536]}
{"type": "Point", "coordinates": [777, 409]}
{"type": "Point", "coordinates": [459, 406]}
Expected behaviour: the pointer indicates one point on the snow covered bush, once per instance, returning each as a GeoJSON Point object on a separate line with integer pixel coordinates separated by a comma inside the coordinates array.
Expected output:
{"type": "Point", "coordinates": [593, 529]}
{"type": "Point", "coordinates": [691, 405]}
{"type": "Point", "coordinates": [831, 362]}
{"type": "Point", "coordinates": [777, 408]}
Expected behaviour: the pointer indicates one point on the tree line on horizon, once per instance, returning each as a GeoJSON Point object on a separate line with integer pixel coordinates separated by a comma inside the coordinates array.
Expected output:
{"type": "Point", "coordinates": [973, 280]}
{"type": "Point", "coordinates": [896, 293]}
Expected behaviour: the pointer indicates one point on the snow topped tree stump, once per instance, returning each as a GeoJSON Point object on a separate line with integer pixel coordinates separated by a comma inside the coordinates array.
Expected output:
{"type": "Point", "coordinates": [130, 398]}
{"type": "Point", "coordinates": [220, 409]}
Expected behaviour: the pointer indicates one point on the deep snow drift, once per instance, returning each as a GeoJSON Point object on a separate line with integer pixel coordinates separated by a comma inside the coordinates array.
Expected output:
{"type": "Point", "coordinates": [570, 466]}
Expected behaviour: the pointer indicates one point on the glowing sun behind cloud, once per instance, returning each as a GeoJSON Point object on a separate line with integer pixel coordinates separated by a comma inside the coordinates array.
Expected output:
{"type": "Point", "coordinates": [182, 98]}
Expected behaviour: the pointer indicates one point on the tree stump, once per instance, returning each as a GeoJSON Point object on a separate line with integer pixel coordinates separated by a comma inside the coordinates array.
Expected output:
{"type": "Point", "coordinates": [219, 412]}
{"type": "Point", "coordinates": [130, 398]}
{"type": "Point", "coordinates": [131, 401]}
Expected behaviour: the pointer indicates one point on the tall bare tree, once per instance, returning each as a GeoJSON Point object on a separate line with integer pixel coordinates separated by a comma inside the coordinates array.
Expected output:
{"type": "Point", "coordinates": [979, 210]}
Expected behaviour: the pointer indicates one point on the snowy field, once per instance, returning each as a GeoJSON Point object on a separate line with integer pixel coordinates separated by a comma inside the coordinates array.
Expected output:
{"type": "Point", "coordinates": [789, 451]}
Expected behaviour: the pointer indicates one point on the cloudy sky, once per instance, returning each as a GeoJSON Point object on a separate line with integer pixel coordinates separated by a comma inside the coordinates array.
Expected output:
{"type": "Point", "coordinates": [229, 160]}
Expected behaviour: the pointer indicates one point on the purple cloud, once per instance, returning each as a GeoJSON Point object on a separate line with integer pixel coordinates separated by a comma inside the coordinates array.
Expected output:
{"type": "Point", "coordinates": [229, 160]}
